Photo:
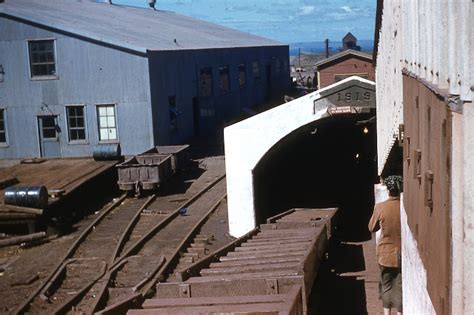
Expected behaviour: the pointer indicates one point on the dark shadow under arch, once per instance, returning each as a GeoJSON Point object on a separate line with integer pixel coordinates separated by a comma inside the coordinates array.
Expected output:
{"type": "Point", "coordinates": [330, 162]}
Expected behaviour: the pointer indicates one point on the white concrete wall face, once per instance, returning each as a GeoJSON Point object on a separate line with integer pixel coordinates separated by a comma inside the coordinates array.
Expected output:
{"type": "Point", "coordinates": [416, 299]}
{"type": "Point", "coordinates": [248, 141]}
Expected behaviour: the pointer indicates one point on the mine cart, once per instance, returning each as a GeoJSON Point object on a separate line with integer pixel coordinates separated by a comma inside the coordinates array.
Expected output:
{"type": "Point", "coordinates": [145, 172]}
{"type": "Point", "coordinates": [180, 154]}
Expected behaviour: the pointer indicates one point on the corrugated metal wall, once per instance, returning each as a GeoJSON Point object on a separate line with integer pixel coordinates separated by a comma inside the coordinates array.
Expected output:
{"type": "Point", "coordinates": [89, 74]}
{"type": "Point", "coordinates": [431, 39]}
{"type": "Point", "coordinates": [177, 73]}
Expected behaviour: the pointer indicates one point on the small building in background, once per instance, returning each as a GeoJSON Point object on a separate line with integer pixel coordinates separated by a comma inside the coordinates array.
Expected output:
{"type": "Point", "coordinates": [349, 42]}
{"type": "Point", "coordinates": [343, 65]}
{"type": "Point", "coordinates": [77, 74]}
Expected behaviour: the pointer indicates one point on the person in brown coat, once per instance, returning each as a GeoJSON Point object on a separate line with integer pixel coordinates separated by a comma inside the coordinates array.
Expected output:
{"type": "Point", "coordinates": [386, 217]}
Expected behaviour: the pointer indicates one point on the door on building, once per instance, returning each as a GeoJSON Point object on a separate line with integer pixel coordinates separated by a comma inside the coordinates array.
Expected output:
{"type": "Point", "coordinates": [269, 82]}
{"type": "Point", "coordinates": [49, 136]}
{"type": "Point", "coordinates": [196, 115]}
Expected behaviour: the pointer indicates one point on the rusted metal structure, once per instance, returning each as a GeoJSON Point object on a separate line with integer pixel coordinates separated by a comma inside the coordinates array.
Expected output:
{"type": "Point", "coordinates": [179, 158]}
{"type": "Point", "coordinates": [152, 168]}
{"type": "Point", "coordinates": [146, 172]}
{"type": "Point", "coordinates": [269, 270]}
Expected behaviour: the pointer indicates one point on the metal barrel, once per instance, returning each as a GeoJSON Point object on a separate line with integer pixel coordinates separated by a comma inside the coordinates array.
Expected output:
{"type": "Point", "coordinates": [105, 152]}
{"type": "Point", "coordinates": [26, 196]}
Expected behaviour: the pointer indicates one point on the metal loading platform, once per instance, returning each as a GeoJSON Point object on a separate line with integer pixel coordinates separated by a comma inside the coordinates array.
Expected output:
{"type": "Point", "coordinates": [270, 270]}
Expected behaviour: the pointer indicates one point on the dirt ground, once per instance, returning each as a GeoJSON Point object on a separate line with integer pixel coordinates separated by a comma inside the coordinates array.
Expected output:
{"type": "Point", "coordinates": [22, 270]}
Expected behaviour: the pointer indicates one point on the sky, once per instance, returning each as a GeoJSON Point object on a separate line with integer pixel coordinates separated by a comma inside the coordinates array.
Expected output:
{"type": "Point", "coordinates": [288, 21]}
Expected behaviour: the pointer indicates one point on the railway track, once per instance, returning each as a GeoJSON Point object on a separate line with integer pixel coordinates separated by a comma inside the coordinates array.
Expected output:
{"type": "Point", "coordinates": [123, 253]}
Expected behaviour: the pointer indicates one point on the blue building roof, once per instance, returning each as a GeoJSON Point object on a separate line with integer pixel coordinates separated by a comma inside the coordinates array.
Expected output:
{"type": "Point", "coordinates": [136, 29]}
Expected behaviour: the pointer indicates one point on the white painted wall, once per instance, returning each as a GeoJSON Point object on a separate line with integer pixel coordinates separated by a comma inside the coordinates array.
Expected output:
{"type": "Point", "coordinates": [388, 75]}
{"type": "Point", "coordinates": [431, 39]}
{"type": "Point", "coordinates": [247, 142]}
{"type": "Point", "coordinates": [416, 299]}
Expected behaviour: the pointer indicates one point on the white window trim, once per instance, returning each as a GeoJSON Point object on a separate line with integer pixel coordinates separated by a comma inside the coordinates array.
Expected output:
{"type": "Point", "coordinates": [98, 122]}
{"type": "Point", "coordinates": [5, 144]}
{"type": "Point", "coordinates": [42, 77]}
{"type": "Point", "coordinates": [75, 142]}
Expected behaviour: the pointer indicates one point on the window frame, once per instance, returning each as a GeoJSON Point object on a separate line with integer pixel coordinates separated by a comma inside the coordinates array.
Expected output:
{"type": "Point", "coordinates": [256, 74]}
{"type": "Point", "coordinates": [211, 88]}
{"type": "Point", "coordinates": [42, 77]}
{"type": "Point", "coordinates": [5, 124]}
{"type": "Point", "coordinates": [244, 83]}
{"type": "Point", "coordinates": [98, 122]}
{"type": "Point", "coordinates": [173, 122]}
{"type": "Point", "coordinates": [68, 126]}
{"type": "Point", "coordinates": [224, 69]}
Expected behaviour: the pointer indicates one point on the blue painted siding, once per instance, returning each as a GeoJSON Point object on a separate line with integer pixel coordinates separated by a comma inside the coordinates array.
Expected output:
{"type": "Point", "coordinates": [177, 73]}
{"type": "Point", "coordinates": [88, 74]}
{"type": "Point", "coordinates": [92, 74]}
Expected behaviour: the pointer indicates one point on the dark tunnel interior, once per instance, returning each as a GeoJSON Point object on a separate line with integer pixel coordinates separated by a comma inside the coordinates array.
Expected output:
{"type": "Point", "coordinates": [328, 163]}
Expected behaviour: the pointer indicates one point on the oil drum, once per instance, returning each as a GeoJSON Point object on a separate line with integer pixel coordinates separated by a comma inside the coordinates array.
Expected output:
{"type": "Point", "coordinates": [26, 196]}
{"type": "Point", "coordinates": [106, 152]}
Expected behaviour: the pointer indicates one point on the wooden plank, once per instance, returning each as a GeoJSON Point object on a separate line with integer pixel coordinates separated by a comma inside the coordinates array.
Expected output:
{"type": "Point", "coordinates": [259, 275]}
{"type": "Point", "coordinates": [256, 308]}
{"type": "Point", "coordinates": [253, 262]}
{"type": "Point", "coordinates": [209, 301]}
{"type": "Point", "coordinates": [216, 288]}
{"type": "Point", "coordinates": [259, 256]}
{"type": "Point", "coordinates": [251, 269]}
{"type": "Point", "coordinates": [278, 247]}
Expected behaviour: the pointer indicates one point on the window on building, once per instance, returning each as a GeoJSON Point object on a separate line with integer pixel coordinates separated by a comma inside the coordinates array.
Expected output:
{"type": "Point", "coordinates": [242, 76]}
{"type": "Point", "coordinates": [42, 58]}
{"type": "Point", "coordinates": [76, 123]}
{"type": "Point", "coordinates": [277, 65]}
{"type": "Point", "coordinates": [256, 70]}
{"type": "Point", "coordinates": [107, 123]}
{"type": "Point", "coordinates": [49, 127]}
{"type": "Point", "coordinates": [173, 112]}
{"type": "Point", "coordinates": [205, 81]}
{"type": "Point", "coordinates": [224, 84]}
{"type": "Point", "coordinates": [3, 127]}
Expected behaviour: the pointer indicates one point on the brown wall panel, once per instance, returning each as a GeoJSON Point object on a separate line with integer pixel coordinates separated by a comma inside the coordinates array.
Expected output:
{"type": "Point", "coordinates": [426, 184]}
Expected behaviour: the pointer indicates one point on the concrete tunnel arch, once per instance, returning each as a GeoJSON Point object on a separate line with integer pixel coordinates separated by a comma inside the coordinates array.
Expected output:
{"type": "Point", "coordinates": [248, 141]}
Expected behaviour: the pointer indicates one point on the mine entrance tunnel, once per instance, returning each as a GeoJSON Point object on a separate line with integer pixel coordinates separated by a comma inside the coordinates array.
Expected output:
{"type": "Point", "coordinates": [327, 163]}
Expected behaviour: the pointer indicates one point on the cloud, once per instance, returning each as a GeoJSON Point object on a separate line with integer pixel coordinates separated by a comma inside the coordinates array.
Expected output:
{"type": "Point", "coordinates": [347, 9]}
{"type": "Point", "coordinates": [307, 9]}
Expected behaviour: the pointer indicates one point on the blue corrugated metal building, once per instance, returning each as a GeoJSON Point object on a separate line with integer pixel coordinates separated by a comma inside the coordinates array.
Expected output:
{"type": "Point", "coordinates": [76, 74]}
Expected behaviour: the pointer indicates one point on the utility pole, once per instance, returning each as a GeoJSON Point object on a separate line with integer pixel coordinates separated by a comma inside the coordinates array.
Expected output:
{"type": "Point", "coordinates": [326, 42]}
{"type": "Point", "coordinates": [299, 57]}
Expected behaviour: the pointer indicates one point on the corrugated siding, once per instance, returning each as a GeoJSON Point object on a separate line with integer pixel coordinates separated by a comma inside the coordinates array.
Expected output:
{"type": "Point", "coordinates": [88, 74]}
{"type": "Point", "coordinates": [431, 39]}
{"type": "Point", "coordinates": [388, 75]}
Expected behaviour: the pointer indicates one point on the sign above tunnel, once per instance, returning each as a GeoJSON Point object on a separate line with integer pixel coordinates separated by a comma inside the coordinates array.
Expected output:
{"type": "Point", "coordinates": [352, 94]}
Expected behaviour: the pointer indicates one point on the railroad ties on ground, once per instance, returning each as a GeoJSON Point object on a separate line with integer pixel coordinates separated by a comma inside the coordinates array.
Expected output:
{"type": "Point", "coordinates": [270, 270]}
{"type": "Point", "coordinates": [92, 274]}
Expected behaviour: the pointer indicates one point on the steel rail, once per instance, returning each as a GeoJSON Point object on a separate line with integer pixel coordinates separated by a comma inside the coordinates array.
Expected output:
{"type": "Point", "coordinates": [164, 266]}
{"type": "Point", "coordinates": [172, 262]}
{"type": "Point", "coordinates": [24, 307]}
{"type": "Point", "coordinates": [139, 243]}
{"type": "Point", "coordinates": [76, 298]}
